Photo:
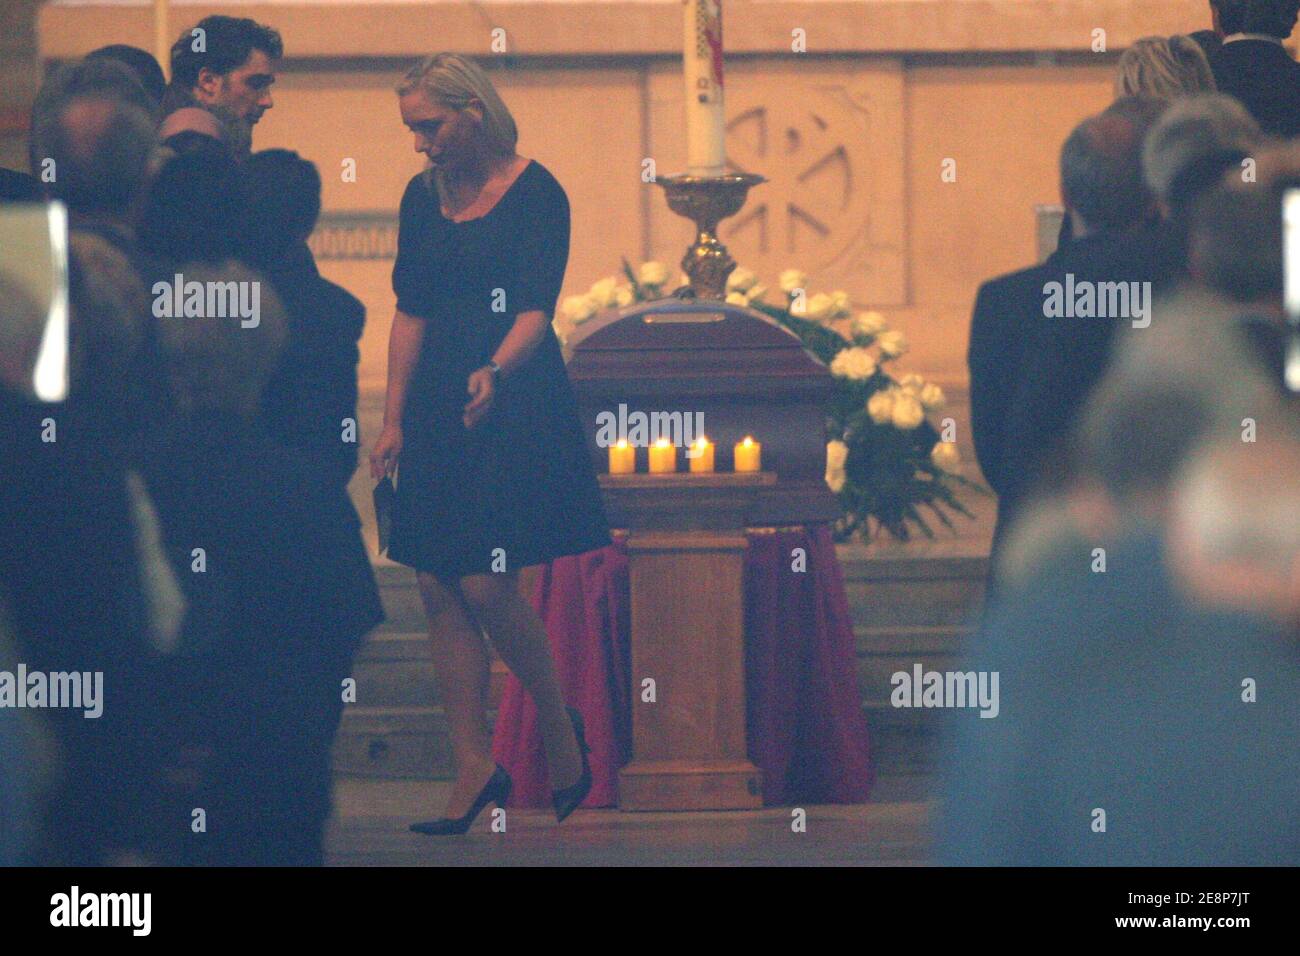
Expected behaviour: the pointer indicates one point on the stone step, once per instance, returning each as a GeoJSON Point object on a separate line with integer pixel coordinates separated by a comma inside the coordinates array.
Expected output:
{"type": "Point", "coordinates": [411, 743]}
{"type": "Point", "coordinates": [395, 669]}
{"type": "Point", "coordinates": [394, 743]}
{"type": "Point", "coordinates": [909, 605]}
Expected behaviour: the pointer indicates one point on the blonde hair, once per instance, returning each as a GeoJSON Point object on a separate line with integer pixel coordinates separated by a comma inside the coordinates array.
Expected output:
{"type": "Point", "coordinates": [455, 82]}
{"type": "Point", "coordinates": [1164, 67]}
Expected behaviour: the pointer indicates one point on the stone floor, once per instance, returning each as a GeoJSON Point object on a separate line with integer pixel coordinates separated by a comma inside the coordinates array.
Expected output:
{"type": "Point", "coordinates": [370, 829]}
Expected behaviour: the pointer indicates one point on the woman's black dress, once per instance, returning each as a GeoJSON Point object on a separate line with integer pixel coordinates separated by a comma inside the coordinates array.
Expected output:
{"type": "Point", "coordinates": [518, 488]}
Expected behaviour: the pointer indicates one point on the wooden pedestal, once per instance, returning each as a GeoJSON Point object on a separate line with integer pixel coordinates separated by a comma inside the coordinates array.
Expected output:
{"type": "Point", "coordinates": [688, 621]}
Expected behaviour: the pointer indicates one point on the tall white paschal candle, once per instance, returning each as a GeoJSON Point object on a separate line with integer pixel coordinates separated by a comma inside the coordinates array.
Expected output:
{"type": "Point", "coordinates": [705, 124]}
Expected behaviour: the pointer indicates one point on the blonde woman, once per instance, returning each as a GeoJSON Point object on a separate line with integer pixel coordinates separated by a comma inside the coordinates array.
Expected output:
{"type": "Point", "coordinates": [1163, 68]}
{"type": "Point", "coordinates": [480, 423]}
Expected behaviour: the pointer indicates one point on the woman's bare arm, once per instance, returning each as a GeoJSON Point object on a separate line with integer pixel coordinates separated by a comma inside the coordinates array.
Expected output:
{"type": "Point", "coordinates": [521, 341]}
{"type": "Point", "coordinates": [403, 349]}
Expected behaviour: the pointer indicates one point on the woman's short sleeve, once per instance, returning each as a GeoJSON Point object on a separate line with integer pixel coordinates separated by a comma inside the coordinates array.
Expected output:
{"type": "Point", "coordinates": [544, 245]}
{"type": "Point", "coordinates": [413, 270]}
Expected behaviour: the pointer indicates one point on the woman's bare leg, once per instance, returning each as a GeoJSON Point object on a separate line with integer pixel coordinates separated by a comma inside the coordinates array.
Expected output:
{"type": "Point", "coordinates": [520, 639]}
{"type": "Point", "coordinates": [463, 669]}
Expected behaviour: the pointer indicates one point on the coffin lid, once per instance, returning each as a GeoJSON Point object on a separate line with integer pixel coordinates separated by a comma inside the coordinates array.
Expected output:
{"type": "Point", "coordinates": [669, 324]}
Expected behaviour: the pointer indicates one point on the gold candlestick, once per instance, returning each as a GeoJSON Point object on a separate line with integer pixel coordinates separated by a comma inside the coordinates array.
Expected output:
{"type": "Point", "coordinates": [706, 201]}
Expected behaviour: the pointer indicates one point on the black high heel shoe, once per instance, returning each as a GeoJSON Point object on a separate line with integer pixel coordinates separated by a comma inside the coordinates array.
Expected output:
{"type": "Point", "coordinates": [566, 800]}
{"type": "Point", "coordinates": [496, 790]}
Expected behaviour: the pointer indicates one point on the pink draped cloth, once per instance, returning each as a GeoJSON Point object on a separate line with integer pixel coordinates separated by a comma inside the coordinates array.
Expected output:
{"type": "Point", "coordinates": [804, 720]}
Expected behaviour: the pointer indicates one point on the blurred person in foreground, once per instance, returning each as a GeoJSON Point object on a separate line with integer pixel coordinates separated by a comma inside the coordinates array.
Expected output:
{"type": "Point", "coordinates": [252, 471]}
{"type": "Point", "coordinates": [86, 591]}
{"type": "Point", "coordinates": [1145, 715]}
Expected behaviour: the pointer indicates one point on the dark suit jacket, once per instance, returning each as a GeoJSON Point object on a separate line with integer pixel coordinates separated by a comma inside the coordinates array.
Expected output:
{"type": "Point", "coordinates": [1030, 375]}
{"type": "Point", "coordinates": [303, 408]}
{"type": "Point", "coordinates": [1266, 80]}
{"type": "Point", "coordinates": [267, 497]}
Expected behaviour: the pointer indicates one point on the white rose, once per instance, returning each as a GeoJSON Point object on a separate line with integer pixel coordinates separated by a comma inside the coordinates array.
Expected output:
{"type": "Point", "coordinates": [737, 298]}
{"type": "Point", "coordinates": [836, 454]}
{"type": "Point", "coordinates": [868, 323]}
{"type": "Point", "coordinates": [945, 455]}
{"type": "Point", "coordinates": [741, 279]}
{"type": "Point", "coordinates": [908, 412]}
{"type": "Point", "coordinates": [792, 279]}
{"type": "Point", "coordinates": [880, 407]}
{"type": "Point", "coordinates": [605, 291]}
{"type": "Point", "coordinates": [652, 273]}
{"type": "Point", "coordinates": [931, 397]}
{"type": "Point", "coordinates": [623, 296]}
{"type": "Point", "coordinates": [893, 343]}
{"type": "Point", "coordinates": [855, 363]}
{"type": "Point", "coordinates": [756, 293]}
{"type": "Point", "coordinates": [578, 308]}
{"type": "Point", "coordinates": [819, 308]}
{"type": "Point", "coordinates": [842, 305]}
{"type": "Point", "coordinates": [911, 382]}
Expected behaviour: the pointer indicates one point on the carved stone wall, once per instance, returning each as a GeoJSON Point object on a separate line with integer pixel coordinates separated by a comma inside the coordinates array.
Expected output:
{"type": "Point", "coordinates": [853, 135]}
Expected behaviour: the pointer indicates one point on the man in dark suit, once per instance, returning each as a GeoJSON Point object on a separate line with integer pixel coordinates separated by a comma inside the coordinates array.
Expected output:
{"type": "Point", "coordinates": [1252, 65]}
{"type": "Point", "coordinates": [1034, 354]}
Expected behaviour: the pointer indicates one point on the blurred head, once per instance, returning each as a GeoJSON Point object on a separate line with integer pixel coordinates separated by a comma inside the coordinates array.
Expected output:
{"type": "Point", "coordinates": [228, 62]}
{"type": "Point", "coordinates": [284, 198]}
{"type": "Point", "coordinates": [1235, 243]}
{"type": "Point", "coordinates": [1196, 140]}
{"type": "Point", "coordinates": [194, 209]}
{"type": "Point", "coordinates": [138, 61]}
{"type": "Point", "coordinates": [1164, 67]}
{"type": "Point", "coordinates": [458, 120]}
{"type": "Point", "coordinates": [1101, 174]}
{"type": "Point", "coordinates": [93, 131]}
{"type": "Point", "coordinates": [1234, 550]}
{"type": "Point", "coordinates": [1187, 374]}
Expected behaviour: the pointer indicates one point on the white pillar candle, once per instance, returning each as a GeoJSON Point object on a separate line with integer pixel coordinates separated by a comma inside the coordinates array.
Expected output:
{"type": "Point", "coordinates": [702, 55]}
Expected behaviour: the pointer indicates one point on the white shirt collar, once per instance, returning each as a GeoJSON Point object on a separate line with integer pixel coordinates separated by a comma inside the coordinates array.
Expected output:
{"type": "Point", "coordinates": [1252, 36]}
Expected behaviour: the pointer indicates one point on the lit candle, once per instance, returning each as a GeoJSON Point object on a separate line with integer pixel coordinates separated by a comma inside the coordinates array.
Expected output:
{"type": "Point", "coordinates": [702, 57]}
{"type": "Point", "coordinates": [749, 455]}
{"type": "Point", "coordinates": [622, 458]}
{"type": "Point", "coordinates": [663, 458]}
{"type": "Point", "coordinates": [701, 456]}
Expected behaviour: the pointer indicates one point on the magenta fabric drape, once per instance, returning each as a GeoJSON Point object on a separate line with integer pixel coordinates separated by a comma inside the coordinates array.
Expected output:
{"type": "Point", "coordinates": [804, 718]}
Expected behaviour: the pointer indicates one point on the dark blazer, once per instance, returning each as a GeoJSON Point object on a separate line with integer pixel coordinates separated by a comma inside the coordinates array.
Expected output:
{"type": "Point", "coordinates": [304, 406]}
{"type": "Point", "coordinates": [1265, 79]}
{"type": "Point", "coordinates": [1029, 374]}
{"type": "Point", "coordinates": [266, 495]}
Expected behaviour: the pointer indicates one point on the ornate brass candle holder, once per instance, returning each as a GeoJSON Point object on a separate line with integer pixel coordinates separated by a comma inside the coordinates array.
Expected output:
{"type": "Point", "coordinates": [706, 201]}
